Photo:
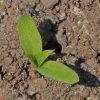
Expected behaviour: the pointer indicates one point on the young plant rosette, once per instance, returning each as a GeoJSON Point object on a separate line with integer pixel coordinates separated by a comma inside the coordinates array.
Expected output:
{"type": "Point", "coordinates": [31, 43]}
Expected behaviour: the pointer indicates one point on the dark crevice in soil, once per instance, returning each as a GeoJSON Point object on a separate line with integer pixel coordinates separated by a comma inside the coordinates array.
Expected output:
{"type": "Point", "coordinates": [98, 57]}
{"type": "Point", "coordinates": [2, 73]}
{"type": "Point", "coordinates": [32, 97]}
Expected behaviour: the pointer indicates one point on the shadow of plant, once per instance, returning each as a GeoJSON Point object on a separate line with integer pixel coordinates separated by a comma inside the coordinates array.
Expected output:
{"type": "Point", "coordinates": [86, 78]}
{"type": "Point", "coordinates": [48, 31]}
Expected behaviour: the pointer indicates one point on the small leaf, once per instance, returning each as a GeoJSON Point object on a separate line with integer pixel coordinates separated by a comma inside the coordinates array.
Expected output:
{"type": "Point", "coordinates": [58, 71]}
{"type": "Point", "coordinates": [29, 36]}
{"type": "Point", "coordinates": [42, 56]}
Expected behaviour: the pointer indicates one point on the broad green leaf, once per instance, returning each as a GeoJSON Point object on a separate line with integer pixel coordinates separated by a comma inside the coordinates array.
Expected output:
{"type": "Point", "coordinates": [58, 71]}
{"type": "Point", "coordinates": [29, 36]}
{"type": "Point", "coordinates": [42, 56]}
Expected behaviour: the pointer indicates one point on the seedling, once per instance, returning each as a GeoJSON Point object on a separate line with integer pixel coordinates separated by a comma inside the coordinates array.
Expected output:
{"type": "Point", "coordinates": [31, 42]}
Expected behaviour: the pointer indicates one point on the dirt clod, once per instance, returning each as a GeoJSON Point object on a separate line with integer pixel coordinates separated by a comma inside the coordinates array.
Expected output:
{"type": "Point", "coordinates": [49, 3]}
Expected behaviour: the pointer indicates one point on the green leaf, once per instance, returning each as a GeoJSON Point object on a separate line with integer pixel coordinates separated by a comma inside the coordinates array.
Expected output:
{"type": "Point", "coordinates": [32, 45]}
{"type": "Point", "coordinates": [58, 71]}
{"type": "Point", "coordinates": [42, 56]}
{"type": "Point", "coordinates": [29, 36]}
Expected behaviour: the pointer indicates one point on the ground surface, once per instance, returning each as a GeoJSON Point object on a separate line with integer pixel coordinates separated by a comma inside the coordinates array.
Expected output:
{"type": "Point", "coordinates": [72, 28]}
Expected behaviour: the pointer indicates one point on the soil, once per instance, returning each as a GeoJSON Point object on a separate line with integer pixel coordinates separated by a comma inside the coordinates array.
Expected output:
{"type": "Point", "coordinates": [72, 28]}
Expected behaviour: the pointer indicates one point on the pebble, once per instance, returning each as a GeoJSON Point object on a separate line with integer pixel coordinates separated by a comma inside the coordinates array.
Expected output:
{"type": "Point", "coordinates": [36, 85]}
{"type": "Point", "coordinates": [2, 14]}
{"type": "Point", "coordinates": [8, 2]}
{"type": "Point", "coordinates": [18, 72]}
{"type": "Point", "coordinates": [62, 16]}
{"type": "Point", "coordinates": [86, 93]}
{"type": "Point", "coordinates": [8, 60]}
{"type": "Point", "coordinates": [95, 91]}
{"type": "Point", "coordinates": [49, 3]}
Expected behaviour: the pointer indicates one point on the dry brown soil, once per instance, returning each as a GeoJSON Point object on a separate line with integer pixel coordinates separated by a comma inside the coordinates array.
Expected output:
{"type": "Point", "coordinates": [72, 28]}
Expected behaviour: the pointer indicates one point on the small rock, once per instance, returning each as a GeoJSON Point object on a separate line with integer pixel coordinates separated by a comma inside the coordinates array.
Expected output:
{"type": "Point", "coordinates": [2, 14]}
{"type": "Point", "coordinates": [86, 93]}
{"type": "Point", "coordinates": [62, 15]}
{"type": "Point", "coordinates": [95, 91]}
{"type": "Point", "coordinates": [1, 1]}
{"type": "Point", "coordinates": [8, 2]}
{"type": "Point", "coordinates": [8, 60]}
{"type": "Point", "coordinates": [18, 72]}
{"type": "Point", "coordinates": [18, 55]}
{"type": "Point", "coordinates": [8, 77]}
{"type": "Point", "coordinates": [49, 3]}
{"type": "Point", "coordinates": [36, 85]}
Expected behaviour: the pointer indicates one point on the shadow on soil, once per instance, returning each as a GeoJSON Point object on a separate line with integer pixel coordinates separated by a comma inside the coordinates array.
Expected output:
{"type": "Point", "coordinates": [48, 31]}
{"type": "Point", "coordinates": [86, 78]}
